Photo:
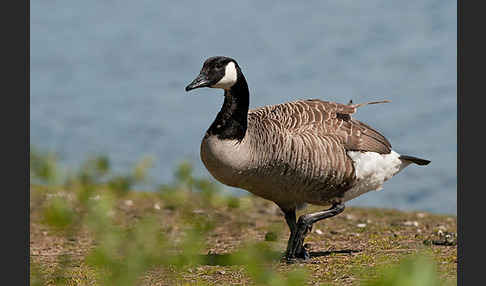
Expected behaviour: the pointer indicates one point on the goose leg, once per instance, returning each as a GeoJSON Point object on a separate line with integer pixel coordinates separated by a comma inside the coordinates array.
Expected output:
{"type": "Point", "coordinates": [304, 225]}
{"type": "Point", "coordinates": [290, 218]}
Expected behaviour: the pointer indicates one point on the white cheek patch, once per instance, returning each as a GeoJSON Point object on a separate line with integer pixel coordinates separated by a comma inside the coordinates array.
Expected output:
{"type": "Point", "coordinates": [229, 78]}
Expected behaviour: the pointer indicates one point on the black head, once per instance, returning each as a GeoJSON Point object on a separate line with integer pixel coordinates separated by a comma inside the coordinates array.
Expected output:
{"type": "Point", "coordinates": [217, 72]}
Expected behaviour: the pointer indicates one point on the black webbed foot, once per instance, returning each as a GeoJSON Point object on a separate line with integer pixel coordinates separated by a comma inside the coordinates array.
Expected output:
{"type": "Point", "coordinates": [299, 230]}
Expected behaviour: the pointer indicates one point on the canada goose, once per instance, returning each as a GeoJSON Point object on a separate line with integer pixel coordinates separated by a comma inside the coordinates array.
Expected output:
{"type": "Point", "coordinates": [306, 151]}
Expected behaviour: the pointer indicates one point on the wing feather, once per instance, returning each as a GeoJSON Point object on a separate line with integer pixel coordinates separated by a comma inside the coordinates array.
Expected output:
{"type": "Point", "coordinates": [325, 118]}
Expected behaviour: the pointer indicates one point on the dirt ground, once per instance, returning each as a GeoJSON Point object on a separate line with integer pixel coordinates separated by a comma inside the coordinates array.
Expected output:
{"type": "Point", "coordinates": [343, 249]}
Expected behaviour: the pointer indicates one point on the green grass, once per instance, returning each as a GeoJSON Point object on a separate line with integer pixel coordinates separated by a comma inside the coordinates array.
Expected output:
{"type": "Point", "coordinates": [89, 228]}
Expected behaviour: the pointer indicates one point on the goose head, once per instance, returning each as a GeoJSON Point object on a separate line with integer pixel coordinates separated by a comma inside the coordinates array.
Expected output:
{"type": "Point", "coordinates": [217, 72]}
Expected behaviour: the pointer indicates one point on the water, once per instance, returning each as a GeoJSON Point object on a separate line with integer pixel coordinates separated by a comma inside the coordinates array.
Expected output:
{"type": "Point", "coordinates": [108, 77]}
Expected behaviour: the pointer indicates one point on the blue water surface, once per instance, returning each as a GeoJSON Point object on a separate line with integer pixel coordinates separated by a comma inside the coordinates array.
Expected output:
{"type": "Point", "coordinates": [108, 77]}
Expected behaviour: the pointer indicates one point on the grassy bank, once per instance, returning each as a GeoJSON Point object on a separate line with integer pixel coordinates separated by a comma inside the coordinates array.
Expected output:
{"type": "Point", "coordinates": [90, 228]}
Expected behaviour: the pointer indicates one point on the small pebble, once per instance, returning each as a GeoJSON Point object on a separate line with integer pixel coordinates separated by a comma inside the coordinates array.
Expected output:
{"type": "Point", "coordinates": [441, 227]}
{"type": "Point", "coordinates": [221, 272]}
{"type": "Point", "coordinates": [350, 217]}
{"type": "Point", "coordinates": [361, 225]}
{"type": "Point", "coordinates": [318, 231]}
{"type": "Point", "coordinates": [128, 203]}
{"type": "Point", "coordinates": [156, 206]}
{"type": "Point", "coordinates": [409, 223]}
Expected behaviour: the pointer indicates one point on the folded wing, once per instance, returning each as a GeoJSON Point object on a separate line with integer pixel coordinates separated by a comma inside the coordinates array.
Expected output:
{"type": "Point", "coordinates": [325, 119]}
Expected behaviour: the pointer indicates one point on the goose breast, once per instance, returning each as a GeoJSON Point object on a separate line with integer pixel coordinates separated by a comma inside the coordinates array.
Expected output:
{"type": "Point", "coordinates": [227, 160]}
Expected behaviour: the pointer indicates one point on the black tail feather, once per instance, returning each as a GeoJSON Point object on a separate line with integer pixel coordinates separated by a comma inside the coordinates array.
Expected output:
{"type": "Point", "coordinates": [415, 160]}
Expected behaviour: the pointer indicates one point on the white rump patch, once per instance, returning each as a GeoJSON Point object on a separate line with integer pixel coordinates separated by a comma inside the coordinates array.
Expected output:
{"type": "Point", "coordinates": [372, 170]}
{"type": "Point", "coordinates": [229, 78]}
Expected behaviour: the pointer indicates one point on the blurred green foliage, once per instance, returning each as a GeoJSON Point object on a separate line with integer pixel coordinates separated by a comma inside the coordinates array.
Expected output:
{"type": "Point", "coordinates": [43, 167]}
{"type": "Point", "coordinates": [258, 259]}
{"type": "Point", "coordinates": [58, 214]}
{"type": "Point", "coordinates": [418, 270]}
{"type": "Point", "coordinates": [176, 194]}
{"type": "Point", "coordinates": [122, 254]}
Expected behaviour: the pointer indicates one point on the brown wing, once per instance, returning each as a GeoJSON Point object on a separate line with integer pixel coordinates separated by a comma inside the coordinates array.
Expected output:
{"type": "Point", "coordinates": [328, 119]}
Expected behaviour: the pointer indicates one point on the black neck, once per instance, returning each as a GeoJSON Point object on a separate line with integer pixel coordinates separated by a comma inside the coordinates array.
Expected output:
{"type": "Point", "coordinates": [231, 121]}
